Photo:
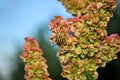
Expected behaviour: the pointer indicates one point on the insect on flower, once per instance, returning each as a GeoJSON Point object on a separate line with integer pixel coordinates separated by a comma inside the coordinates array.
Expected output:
{"type": "Point", "coordinates": [60, 38]}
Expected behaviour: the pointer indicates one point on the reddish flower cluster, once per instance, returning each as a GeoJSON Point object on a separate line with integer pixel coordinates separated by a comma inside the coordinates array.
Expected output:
{"type": "Point", "coordinates": [35, 66]}
{"type": "Point", "coordinates": [83, 41]}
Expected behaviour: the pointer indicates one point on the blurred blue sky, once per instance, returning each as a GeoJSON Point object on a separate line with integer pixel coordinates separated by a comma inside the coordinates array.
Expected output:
{"type": "Point", "coordinates": [18, 19]}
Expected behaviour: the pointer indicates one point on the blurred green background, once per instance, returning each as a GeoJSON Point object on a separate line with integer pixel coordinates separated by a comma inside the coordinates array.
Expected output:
{"type": "Point", "coordinates": [21, 18]}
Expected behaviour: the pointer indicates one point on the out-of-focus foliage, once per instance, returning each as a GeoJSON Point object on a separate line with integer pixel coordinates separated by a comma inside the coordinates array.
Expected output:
{"type": "Point", "coordinates": [18, 74]}
{"type": "Point", "coordinates": [114, 24]}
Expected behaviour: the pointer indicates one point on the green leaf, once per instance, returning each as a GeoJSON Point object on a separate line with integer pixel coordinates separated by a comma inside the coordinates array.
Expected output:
{"type": "Point", "coordinates": [89, 75]}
